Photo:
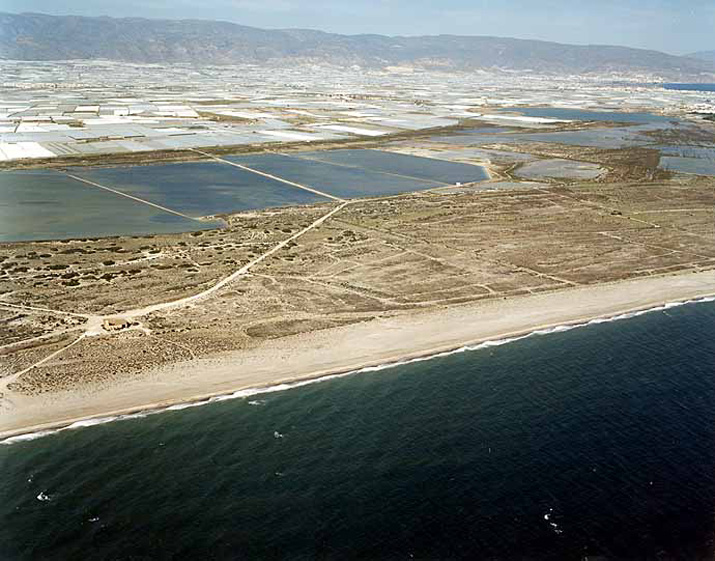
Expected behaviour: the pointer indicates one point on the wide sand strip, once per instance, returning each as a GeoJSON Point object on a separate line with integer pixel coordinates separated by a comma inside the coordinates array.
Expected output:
{"type": "Point", "coordinates": [348, 348]}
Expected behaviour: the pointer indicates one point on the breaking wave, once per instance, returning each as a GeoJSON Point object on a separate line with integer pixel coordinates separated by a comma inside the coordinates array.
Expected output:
{"type": "Point", "coordinates": [250, 392]}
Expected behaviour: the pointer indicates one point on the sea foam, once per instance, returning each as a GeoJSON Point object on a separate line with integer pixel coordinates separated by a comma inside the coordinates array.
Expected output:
{"type": "Point", "coordinates": [250, 392]}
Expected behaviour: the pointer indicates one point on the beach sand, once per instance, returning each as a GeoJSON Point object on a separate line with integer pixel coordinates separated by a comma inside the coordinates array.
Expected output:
{"type": "Point", "coordinates": [349, 348]}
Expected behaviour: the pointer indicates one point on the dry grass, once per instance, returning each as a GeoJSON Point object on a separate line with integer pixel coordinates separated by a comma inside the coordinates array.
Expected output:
{"type": "Point", "coordinates": [375, 257]}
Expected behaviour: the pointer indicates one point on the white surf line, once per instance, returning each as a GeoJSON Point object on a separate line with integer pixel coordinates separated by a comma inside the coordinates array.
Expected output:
{"type": "Point", "coordinates": [53, 427]}
{"type": "Point", "coordinates": [269, 176]}
{"type": "Point", "coordinates": [94, 184]}
{"type": "Point", "coordinates": [93, 328]}
{"type": "Point", "coordinates": [240, 272]}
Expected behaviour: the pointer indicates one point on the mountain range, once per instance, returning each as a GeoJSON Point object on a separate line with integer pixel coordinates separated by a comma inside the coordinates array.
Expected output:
{"type": "Point", "coordinates": [708, 56]}
{"type": "Point", "coordinates": [31, 36]}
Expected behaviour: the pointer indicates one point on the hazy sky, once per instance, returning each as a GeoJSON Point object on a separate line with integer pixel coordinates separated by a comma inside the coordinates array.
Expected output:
{"type": "Point", "coordinates": [675, 26]}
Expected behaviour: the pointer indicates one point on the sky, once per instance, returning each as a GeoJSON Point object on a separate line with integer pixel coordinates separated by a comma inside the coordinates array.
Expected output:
{"type": "Point", "coordinates": [672, 26]}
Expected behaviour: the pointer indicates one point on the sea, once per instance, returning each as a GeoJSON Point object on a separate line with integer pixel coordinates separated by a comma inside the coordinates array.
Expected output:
{"type": "Point", "coordinates": [589, 443]}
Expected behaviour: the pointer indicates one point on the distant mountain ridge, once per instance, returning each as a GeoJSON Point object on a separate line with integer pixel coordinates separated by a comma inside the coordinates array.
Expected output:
{"type": "Point", "coordinates": [708, 56]}
{"type": "Point", "coordinates": [44, 37]}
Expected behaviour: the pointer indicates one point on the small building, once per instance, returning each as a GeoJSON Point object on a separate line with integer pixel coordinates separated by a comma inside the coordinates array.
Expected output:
{"type": "Point", "coordinates": [116, 324]}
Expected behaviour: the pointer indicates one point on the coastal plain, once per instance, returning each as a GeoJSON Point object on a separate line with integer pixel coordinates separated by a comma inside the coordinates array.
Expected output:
{"type": "Point", "coordinates": [363, 251]}
{"type": "Point", "coordinates": [402, 257]}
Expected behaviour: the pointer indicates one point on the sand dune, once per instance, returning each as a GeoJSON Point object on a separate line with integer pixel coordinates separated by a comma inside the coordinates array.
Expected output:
{"type": "Point", "coordinates": [352, 347]}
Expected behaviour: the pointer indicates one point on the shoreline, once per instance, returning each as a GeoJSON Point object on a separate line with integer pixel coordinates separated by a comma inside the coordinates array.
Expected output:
{"type": "Point", "coordinates": [602, 302]}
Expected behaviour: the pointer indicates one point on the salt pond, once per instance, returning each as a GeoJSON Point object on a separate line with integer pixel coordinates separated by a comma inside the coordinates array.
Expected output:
{"type": "Point", "coordinates": [560, 169]}
{"type": "Point", "coordinates": [403, 165]}
{"type": "Point", "coordinates": [612, 138]}
{"type": "Point", "coordinates": [360, 173]}
{"type": "Point", "coordinates": [688, 165]}
{"type": "Point", "coordinates": [39, 205]}
{"type": "Point", "coordinates": [584, 115]}
{"type": "Point", "coordinates": [51, 205]}
{"type": "Point", "coordinates": [702, 152]}
{"type": "Point", "coordinates": [199, 189]}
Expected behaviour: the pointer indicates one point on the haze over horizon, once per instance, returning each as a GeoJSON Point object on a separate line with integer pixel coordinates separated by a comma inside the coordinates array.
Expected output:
{"type": "Point", "coordinates": [672, 26]}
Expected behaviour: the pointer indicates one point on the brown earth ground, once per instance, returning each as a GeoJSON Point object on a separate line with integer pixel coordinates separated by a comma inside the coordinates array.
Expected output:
{"type": "Point", "coordinates": [374, 258]}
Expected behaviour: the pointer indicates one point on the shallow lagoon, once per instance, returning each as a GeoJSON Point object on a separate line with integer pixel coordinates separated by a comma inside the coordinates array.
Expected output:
{"type": "Point", "coordinates": [584, 115]}
{"type": "Point", "coordinates": [597, 138]}
{"type": "Point", "coordinates": [500, 156]}
{"type": "Point", "coordinates": [688, 165]}
{"type": "Point", "coordinates": [339, 181]}
{"type": "Point", "coordinates": [469, 153]}
{"type": "Point", "coordinates": [486, 130]}
{"type": "Point", "coordinates": [38, 205]}
{"type": "Point", "coordinates": [560, 169]}
{"type": "Point", "coordinates": [199, 189]}
{"type": "Point", "coordinates": [374, 179]}
{"type": "Point", "coordinates": [41, 205]}
{"type": "Point", "coordinates": [479, 139]}
{"type": "Point", "coordinates": [702, 152]}
{"type": "Point", "coordinates": [403, 165]}
{"type": "Point", "coordinates": [613, 138]}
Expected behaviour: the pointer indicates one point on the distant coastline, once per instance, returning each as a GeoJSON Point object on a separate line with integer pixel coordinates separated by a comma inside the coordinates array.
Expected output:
{"type": "Point", "coordinates": [297, 360]}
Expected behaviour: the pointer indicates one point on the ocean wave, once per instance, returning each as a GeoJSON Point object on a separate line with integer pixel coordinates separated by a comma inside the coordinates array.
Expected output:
{"type": "Point", "coordinates": [90, 422]}
{"type": "Point", "coordinates": [187, 405]}
{"type": "Point", "coordinates": [28, 436]}
{"type": "Point", "coordinates": [250, 392]}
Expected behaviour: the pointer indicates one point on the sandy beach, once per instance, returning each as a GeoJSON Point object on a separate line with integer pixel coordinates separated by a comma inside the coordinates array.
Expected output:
{"type": "Point", "coordinates": [345, 349]}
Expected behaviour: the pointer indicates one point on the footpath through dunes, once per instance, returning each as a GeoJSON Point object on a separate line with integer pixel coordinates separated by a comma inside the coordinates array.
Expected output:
{"type": "Point", "coordinates": [173, 189]}
{"type": "Point", "coordinates": [354, 348]}
{"type": "Point", "coordinates": [318, 268]}
{"type": "Point", "coordinates": [174, 192]}
{"type": "Point", "coordinates": [508, 443]}
{"type": "Point", "coordinates": [140, 312]}
{"type": "Point", "coordinates": [97, 324]}
{"type": "Point", "coordinates": [169, 182]}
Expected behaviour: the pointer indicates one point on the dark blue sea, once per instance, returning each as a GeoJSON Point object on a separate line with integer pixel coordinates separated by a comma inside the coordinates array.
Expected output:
{"type": "Point", "coordinates": [592, 443]}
